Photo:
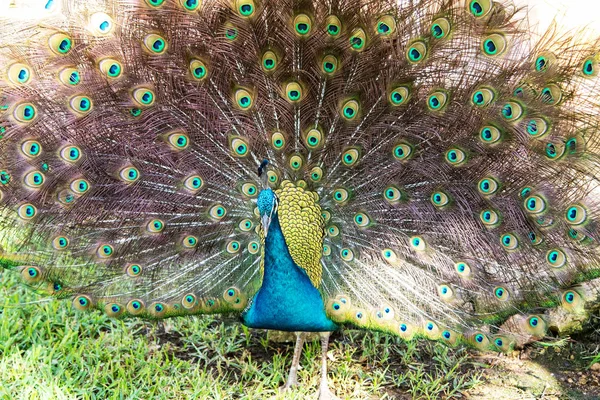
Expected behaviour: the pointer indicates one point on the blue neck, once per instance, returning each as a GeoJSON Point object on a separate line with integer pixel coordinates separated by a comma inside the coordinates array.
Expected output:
{"type": "Point", "coordinates": [287, 300]}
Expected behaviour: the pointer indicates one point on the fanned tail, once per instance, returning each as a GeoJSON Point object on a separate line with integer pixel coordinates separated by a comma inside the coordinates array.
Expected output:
{"type": "Point", "coordinates": [455, 160]}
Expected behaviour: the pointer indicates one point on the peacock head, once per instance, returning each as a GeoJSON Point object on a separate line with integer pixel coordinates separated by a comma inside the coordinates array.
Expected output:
{"type": "Point", "coordinates": [267, 206]}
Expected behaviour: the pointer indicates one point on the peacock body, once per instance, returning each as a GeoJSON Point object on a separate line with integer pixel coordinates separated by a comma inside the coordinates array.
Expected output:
{"type": "Point", "coordinates": [424, 168]}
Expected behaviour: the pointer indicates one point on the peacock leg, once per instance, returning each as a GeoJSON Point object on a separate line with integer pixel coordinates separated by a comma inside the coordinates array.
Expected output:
{"type": "Point", "coordinates": [324, 392]}
{"type": "Point", "coordinates": [292, 379]}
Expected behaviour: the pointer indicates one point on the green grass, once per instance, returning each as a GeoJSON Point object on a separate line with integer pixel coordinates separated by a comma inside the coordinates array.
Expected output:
{"type": "Point", "coordinates": [50, 351]}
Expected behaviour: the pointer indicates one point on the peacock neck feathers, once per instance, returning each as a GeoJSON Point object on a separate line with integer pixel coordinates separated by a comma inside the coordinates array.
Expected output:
{"type": "Point", "coordinates": [287, 299]}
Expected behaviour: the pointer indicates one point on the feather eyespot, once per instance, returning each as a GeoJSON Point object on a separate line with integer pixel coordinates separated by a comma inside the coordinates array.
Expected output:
{"type": "Point", "coordinates": [198, 70]}
{"type": "Point", "coordinates": [333, 26]}
{"type": "Point", "coordinates": [440, 28]}
{"type": "Point", "coordinates": [111, 68]}
{"type": "Point", "coordinates": [399, 95]}
{"type": "Point", "coordinates": [358, 39]}
{"type": "Point", "coordinates": [25, 113]}
{"type": "Point", "coordinates": [155, 44]}
{"type": "Point", "coordinates": [31, 148]}
{"type": "Point", "coordinates": [416, 52]}
{"type": "Point", "coordinates": [27, 211]}
{"type": "Point", "coordinates": [129, 174]}
{"type": "Point", "coordinates": [19, 74]}
{"type": "Point", "coordinates": [60, 44]}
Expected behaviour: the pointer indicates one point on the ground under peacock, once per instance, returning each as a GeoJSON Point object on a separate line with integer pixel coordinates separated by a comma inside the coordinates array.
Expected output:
{"type": "Point", "coordinates": [419, 168]}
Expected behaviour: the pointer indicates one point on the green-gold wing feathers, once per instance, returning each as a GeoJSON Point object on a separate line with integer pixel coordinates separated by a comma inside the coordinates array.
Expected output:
{"type": "Point", "coordinates": [455, 161]}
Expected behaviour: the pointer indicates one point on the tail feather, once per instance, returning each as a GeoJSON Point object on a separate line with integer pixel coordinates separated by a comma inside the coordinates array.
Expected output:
{"type": "Point", "coordinates": [455, 160]}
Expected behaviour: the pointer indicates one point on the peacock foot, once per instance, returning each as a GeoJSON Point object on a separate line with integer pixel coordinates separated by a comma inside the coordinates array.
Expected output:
{"type": "Point", "coordinates": [325, 394]}
{"type": "Point", "coordinates": [288, 386]}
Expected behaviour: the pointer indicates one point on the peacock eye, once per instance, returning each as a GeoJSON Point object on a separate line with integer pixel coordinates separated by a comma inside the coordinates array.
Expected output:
{"type": "Point", "coordinates": [302, 25]}
{"type": "Point", "coordinates": [249, 190]}
{"type": "Point", "coordinates": [133, 270]}
{"type": "Point", "coordinates": [489, 218]}
{"type": "Point", "coordinates": [416, 52]}
{"type": "Point", "coordinates": [340, 195]}
{"type": "Point", "coordinates": [556, 258]}
{"type": "Point", "coordinates": [129, 174]}
{"type": "Point", "coordinates": [19, 74]}
{"type": "Point", "coordinates": [494, 45]}
{"type": "Point", "coordinates": [480, 8]}
{"type": "Point", "coordinates": [60, 44]}
{"type": "Point", "coordinates": [80, 186]}
{"type": "Point", "coordinates": [463, 269]}
{"type": "Point", "coordinates": [437, 100]}
{"type": "Point", "coordinates": [589, 67]}
{"type": "Point", "coordinates": [190, 5]}
{"type": "Point", "coordinates": [293, 92]}
{"type": "Point", "coordinates": [155, 226]}
{"type": "Point", "coordinates": [386, 25]}
{"type": "Point", "coordinates": [189, 242]}
{"type": "Point", "coordinates": [329, 64]}
{"type": "Point", "coordinates": [269, 61]}
{"type": "Point", "coordinates": [535, 204]}
{"type": "Point", "coordinates": [551, 94]}
{"type": "Point", "coordinates": [455, 157]}
{"type": "Point", "coordinates": [347, 254]}
{"type": "Point", "coordinates": [198, 69]}
{"type": "Point", "coordinates": [231, 32]}
{"type": "Point", "coordinates": [239, 147]}
{"type": "Point", "coordinates": [399, 95]}
{"type": "Point", "coordinates": [60, 242]}
{"type": "Point", "coordinates": [253, 247]}
{"type": "Point", "coordinates": [314, 139]}
{"type": "Point", "coordinates": [233, 246]}
{"type": "Point", "coordinates": [155, 3]}
{"type": "Point", "coordinates": [243, 99]}
{"type": "Point", "coordinates": [245, 8]}
{"type": "Point", "coordinates": [217, 212]}
{"type": "Point", "coordinates": [326, 250]}
{"type": "Point", "coordinates": [358, 39]}
{"type": "Point", "coordinates": [490, 134]}
{"type": "Point", "coordinates": [440, 199]}
{"type": "Point", "coordinates": [362, 220]}
{"type": "Point", "coordinates": [333, 26]}
{"type": "Point", "coordinates": [27, 211]}
{"type": "Point", "coordinates": [333, 231]}
{"type": "Point", "coordinates": [25, 112]}
{"type": "Point", "coordinates": [155, 44]}
{"type": "Point", "coordinates": [440, 28]}
{"type": "Point", "coordinates": [501, 293]}
{"type": "Point", "coordinates": [417, 243]}
{"type": "Point", "coordinates": [34, 179]}
{"type": "Point", "coordinates": [390, 256]}
{"type": "Point", "coordinates": [576, 215]}
{"type": "Point", "coordinates": [392, 194]}
{"type": "Point", "coordinates": [178, 140]}
{"type": "Point", "coordinates": [273, 177]}
{"type": "Point", "coordinates": [246, 225]}
{"type": "Point", "coordinates": [101, 24]}
{"type": "Point", "coordinates": [144, 97]}
{"type": "Point", "coordinates": [350, 110]}
{"type": "Point", "coordinates": [81, 105]}
{"type": "Point", "coordinates": [509, 241]}
{"type": "Point", "coordinates": [111, 68]}
{"type": "Point", "coordinates": [104, 251]}
{"type": "Point", "coordinates": [512, 111]}
{"type": "Point", "coordinates": [350, 157]}
{"type": "Point", "coordinates": [296, 162]}
{"type": "Point", "coordinates": [31, 148]}
{"type": "Point", "coordinates": [488, 186]}
{"type": "Point", "coordinates": [483, 97]}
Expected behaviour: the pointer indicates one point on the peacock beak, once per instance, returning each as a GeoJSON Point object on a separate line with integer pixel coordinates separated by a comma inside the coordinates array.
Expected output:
{"type": "Point", "coordinates": [266, 221]}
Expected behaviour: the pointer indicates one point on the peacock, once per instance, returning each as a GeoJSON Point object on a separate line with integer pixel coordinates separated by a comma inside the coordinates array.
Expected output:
{"type": "Point", "coordinates": [422, 168]}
